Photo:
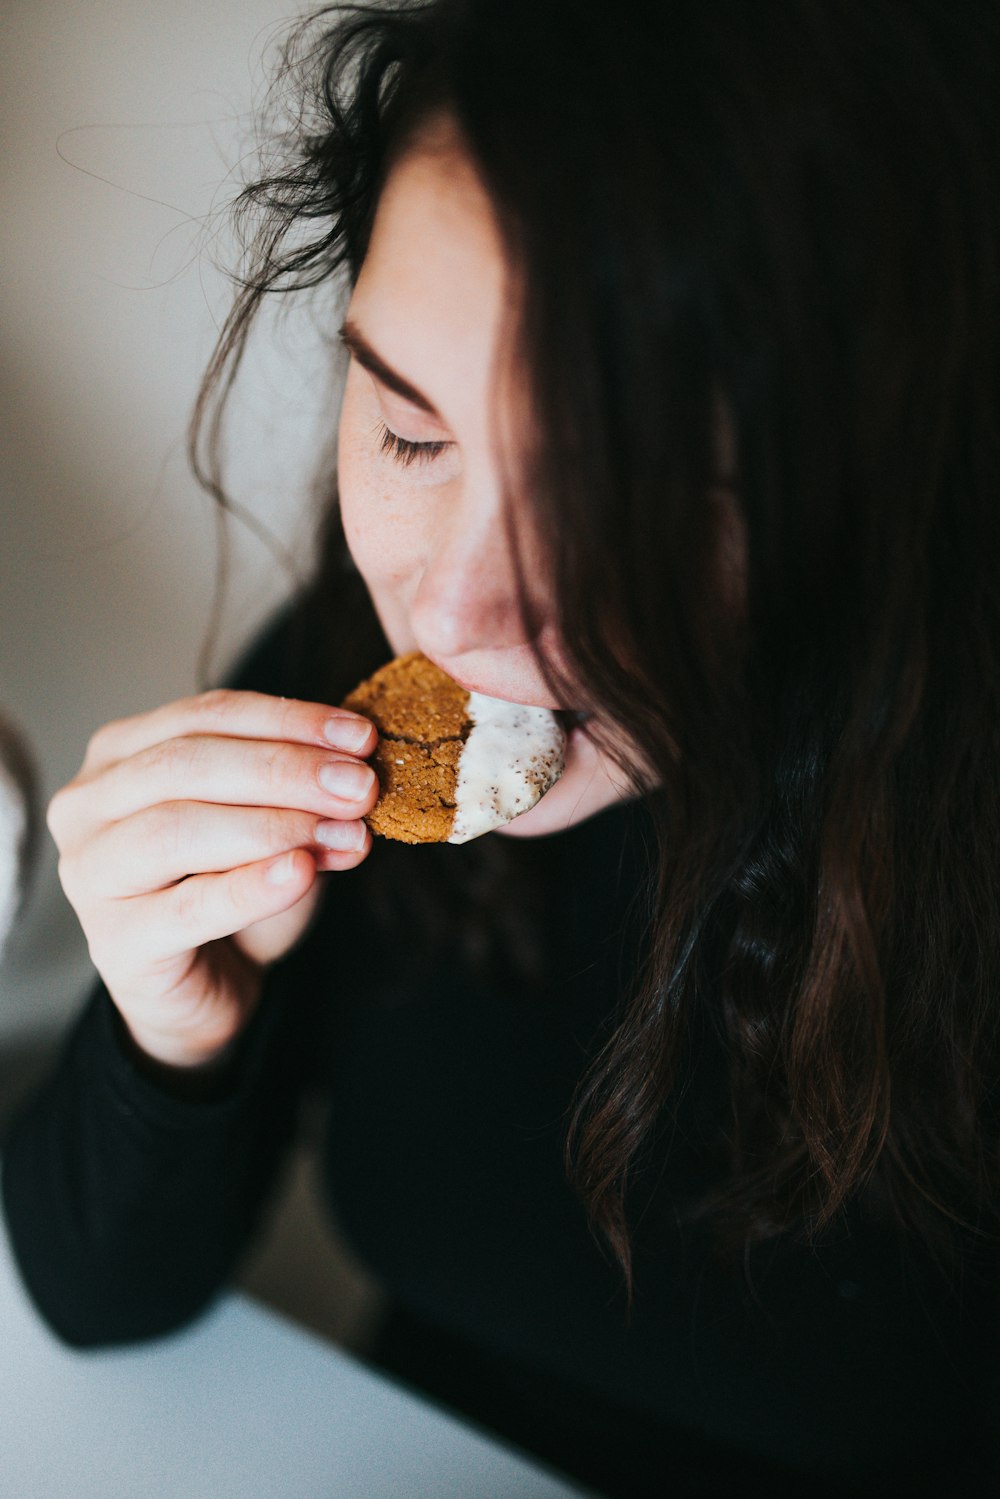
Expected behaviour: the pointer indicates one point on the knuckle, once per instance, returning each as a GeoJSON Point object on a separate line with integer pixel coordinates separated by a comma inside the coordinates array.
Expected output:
{"type": "Point", "coordinates": [166, 825]}
{"type": "Point", "coordinates": [212, 704]}
{"type": "Point", "coordinates": [188, 900]}
{"type": "Point", "coordinates": [289, 712]}
{"type": "Point", "coordinates": [61, 811]}
{"type": "Point", "coordinates": [276, 768]}
{"type": "Point", "coordinates": [102, 746]}
{"type": "Point", "coordinates": [165, 758]}
{"type": "Point", "coordinates": [99, 741]}
{"type": "Point", "coordinates": [55, 811]}
{"type": "Point", "coordinates": [280, 830]}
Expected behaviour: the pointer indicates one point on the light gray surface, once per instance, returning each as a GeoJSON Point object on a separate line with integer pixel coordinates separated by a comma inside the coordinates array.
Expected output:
{"type": "Point", "coordinates": [302, 1266]}
{"type": "Point", "coordinates": [242, 1406]}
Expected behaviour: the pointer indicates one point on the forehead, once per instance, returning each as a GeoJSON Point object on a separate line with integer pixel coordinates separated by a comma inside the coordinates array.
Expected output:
{"type": "Point", "coordinates": [433, 289]}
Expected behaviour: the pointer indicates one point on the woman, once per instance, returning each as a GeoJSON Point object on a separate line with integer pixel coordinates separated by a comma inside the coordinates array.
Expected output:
{"type": "Point", "coordinates": [673, 403]}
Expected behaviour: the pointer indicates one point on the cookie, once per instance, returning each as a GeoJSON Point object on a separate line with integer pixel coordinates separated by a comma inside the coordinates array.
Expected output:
{"type": "Point", "coordinates": [452, 764]}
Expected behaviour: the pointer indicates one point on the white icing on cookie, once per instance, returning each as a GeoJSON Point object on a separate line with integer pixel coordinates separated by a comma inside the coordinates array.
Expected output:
{"type": "Point", "coordinates": [511, 757]}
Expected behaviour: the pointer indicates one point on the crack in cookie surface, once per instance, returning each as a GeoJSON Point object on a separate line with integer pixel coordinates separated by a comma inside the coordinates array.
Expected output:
{"type": "Point", "coordinates": [422, 721]}
{"type": "Point", "coordinates": [430, 744]}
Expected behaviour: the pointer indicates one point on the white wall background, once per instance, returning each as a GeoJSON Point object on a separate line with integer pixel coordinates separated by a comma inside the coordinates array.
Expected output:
{"type": "Point", "coordinates": [123, 124]}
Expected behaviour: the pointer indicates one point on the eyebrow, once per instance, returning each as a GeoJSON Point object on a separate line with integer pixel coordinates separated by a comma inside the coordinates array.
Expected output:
{"type": "Point", "coordinates": [354, 340]}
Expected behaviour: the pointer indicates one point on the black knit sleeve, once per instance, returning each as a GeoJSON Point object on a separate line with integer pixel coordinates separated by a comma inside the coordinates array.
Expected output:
{"type": "Point", "coordinates": [128, 1207]}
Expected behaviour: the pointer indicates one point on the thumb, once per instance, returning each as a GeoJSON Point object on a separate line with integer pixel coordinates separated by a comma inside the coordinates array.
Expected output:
{"type": "Point", "coordinates": [266, 941]}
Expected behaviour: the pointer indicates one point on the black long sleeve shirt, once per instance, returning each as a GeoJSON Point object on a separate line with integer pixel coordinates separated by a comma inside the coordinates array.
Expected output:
{"type": "Point", "coordinates": [843, 1367]}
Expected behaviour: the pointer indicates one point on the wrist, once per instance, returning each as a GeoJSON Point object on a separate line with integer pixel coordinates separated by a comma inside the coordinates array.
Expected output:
{"type": "Point", "coordinates": [203, 1074]}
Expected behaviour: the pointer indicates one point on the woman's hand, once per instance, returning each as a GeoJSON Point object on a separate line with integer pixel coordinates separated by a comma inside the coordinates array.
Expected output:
{"type": "Point", "coordinates": [189, 842]}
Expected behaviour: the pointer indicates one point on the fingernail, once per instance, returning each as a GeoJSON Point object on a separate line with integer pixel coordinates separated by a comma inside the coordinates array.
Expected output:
{"type": "Point", "coordinates": [347, 733]}
{"type": "Point", "coordinates": [351, 782]}
{"type": "Point", "coordinates": [345, 836]}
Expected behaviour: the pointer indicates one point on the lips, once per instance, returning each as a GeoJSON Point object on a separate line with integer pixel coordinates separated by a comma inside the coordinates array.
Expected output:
{"type": "Point", "coordinates": [568, 717]}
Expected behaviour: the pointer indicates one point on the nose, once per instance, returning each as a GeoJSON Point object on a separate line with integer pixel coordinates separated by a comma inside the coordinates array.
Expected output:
{"type": "Point", "coordinates": [466, 599]}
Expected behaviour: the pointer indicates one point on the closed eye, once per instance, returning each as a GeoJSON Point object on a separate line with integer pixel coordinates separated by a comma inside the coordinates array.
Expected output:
{"type": "Point", "coordinates": [409, 452]}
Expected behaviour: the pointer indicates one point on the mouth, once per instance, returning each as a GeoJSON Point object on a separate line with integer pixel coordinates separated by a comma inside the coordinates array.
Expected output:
{"type": "Point", "coordinates": [569, 718]}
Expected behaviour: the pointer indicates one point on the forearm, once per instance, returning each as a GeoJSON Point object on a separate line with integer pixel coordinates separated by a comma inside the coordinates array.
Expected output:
{"type": "Point", "coordinates": [128, 1206]}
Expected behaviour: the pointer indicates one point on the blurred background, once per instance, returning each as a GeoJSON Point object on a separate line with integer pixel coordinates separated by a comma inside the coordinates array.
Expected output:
{"type": "Point", "coordinates": [127, 128]}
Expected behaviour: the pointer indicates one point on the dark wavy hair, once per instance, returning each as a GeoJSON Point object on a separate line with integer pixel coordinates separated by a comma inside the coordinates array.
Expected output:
{"type": "Point", "coordinates": [791, 207]}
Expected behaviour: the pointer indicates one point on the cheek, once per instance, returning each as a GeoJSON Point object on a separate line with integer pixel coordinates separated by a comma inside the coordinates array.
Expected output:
{"type": "Point", "coordinates": [382, 531]}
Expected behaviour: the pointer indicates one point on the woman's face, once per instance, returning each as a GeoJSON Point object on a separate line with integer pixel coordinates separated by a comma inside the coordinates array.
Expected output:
{"type": "Point", "coordinates": [426, 526]}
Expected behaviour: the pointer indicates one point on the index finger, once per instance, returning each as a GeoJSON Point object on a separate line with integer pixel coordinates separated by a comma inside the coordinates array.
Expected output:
{"type": "Point", "coordinates": [233, 715]}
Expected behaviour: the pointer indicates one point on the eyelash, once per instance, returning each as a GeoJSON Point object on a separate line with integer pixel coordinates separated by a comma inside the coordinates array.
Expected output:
{"type": "Point", "coordinates": [410, 452]}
